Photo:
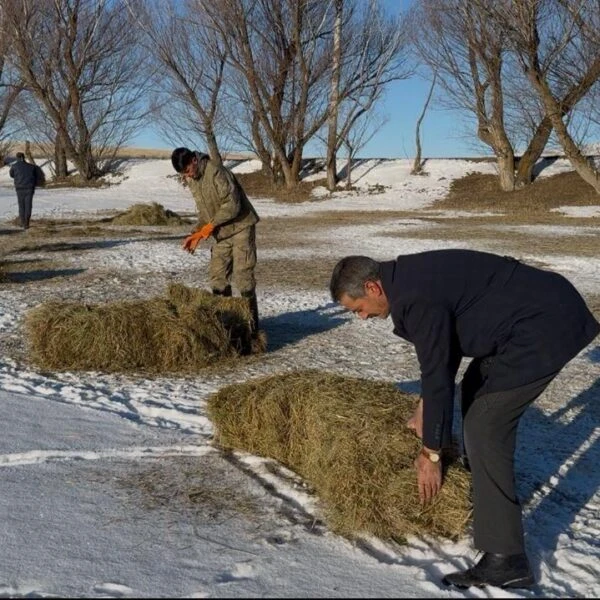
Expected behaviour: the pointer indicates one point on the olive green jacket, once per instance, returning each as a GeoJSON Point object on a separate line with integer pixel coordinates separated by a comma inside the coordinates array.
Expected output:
{"type": "Point", "coordinates": [220, 199]}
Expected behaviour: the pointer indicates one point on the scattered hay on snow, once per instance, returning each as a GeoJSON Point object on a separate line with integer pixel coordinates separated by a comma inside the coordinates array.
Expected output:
{"type": "Point", "coordinates": [347, 438]}
{"type": "Point", "coordinates": [148, 214]}
{"type": "Point", "coordinates": [187, 330]}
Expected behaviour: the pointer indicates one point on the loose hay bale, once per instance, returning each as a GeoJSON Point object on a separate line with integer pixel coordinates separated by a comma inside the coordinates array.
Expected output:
{"type": "Point", "coordinates": [148, 214]}
{"type": "Point", "coordinates": [187, 330]}
{"type": "Point", "coordinates": [347, 438]}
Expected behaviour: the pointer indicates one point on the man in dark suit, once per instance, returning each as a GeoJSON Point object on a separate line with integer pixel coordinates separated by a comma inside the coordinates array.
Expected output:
{"type": "Point", "coordinates": [521, 325]}
{"type": "Point", "coordinates": [25, 177]}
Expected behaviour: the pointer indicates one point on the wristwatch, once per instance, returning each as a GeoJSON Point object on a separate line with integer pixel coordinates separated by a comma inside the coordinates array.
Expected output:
{"type": "Point", "coordinates": [434, 457]}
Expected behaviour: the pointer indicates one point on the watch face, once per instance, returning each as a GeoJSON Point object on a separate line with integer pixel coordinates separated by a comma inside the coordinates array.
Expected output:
{"type": "Point", "coordinates": [434, 457]}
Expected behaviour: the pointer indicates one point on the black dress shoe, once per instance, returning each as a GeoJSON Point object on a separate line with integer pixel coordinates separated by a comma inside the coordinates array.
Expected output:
{"type": "Point", "coordinates": [500, 570]}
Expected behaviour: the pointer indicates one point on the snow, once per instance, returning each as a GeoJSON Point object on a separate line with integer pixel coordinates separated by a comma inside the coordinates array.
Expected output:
{"type": "Point", "coordinates": [73, 445]}
{"type": "Point", "coordinates": [578, 211]}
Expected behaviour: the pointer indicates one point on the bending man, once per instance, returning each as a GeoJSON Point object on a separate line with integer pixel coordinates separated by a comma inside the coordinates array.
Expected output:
{"type": "Point", "coordinates": [521, 325]}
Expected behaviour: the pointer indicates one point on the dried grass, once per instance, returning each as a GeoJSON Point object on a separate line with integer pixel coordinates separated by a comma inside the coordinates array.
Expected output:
{"type": "Point", "coordinates": [148, 214]}
{"type": "Point", "coordinates": [347, 438]}
{"type": "Point", "coordinates": [183, 332]}
{"type": "Point", "coordinates": [478, 192]}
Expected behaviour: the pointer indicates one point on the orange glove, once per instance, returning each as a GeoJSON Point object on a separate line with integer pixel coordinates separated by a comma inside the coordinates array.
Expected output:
{"type": "Point", "coordinates": [191, 241]}
{"type": "Point", "coordinates": [207, 230]}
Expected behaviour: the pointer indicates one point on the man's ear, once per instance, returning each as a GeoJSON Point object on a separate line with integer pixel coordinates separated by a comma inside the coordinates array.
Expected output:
{"type": "Point", "coordinates": [373, 288]}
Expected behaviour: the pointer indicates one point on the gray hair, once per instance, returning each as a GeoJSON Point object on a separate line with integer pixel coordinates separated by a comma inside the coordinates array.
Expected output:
{"type": "Point", "coordinates": [350, 275]}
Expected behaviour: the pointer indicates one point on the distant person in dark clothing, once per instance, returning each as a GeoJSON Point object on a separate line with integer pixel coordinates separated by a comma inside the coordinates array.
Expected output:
{"type": "Point", "coordinates": [521, 325]}
{"type": "Point", "coordinates": [26, 178]}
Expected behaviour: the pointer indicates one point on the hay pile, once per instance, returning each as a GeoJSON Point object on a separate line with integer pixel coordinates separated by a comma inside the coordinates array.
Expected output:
{"type": "Point", "coordinates": [148, 214]}
{"type": "Point", "coordinates": [347, 438]}
{"type": "Point", "coordinates": [187, 330]}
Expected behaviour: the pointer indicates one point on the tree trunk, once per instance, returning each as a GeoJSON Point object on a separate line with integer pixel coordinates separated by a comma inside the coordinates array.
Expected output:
{"type": "Point", "coordinates": [580, 163]}
{"type": "Point", "coordinates": [263, 154]}
{"type": "Point", "coordinates": [86, 163]}
{"type": "Point", "coordinates": [293, 178]}
{"type": "Point", "coordinates": [28, 153]}
{"type": "Point", "coordinates": [530, 157]}
{"type": "Point", "coordinates": [61, 170]}
{"type": "Point", "coordinates": [417, 168]}
{"type": "Point", "coordinates": [349, 167]}
{"type": "Point", "coordinates": [506, 170]}
{"type": "Point", "coordinates": [332, 136]}
{"type": "Point", "coordinates": [213, 148]}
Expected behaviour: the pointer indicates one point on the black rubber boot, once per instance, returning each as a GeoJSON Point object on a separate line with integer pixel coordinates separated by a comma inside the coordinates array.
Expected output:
{"type": "Point", "coordinates": [253, 302]}
{"type": "Point", "coordinates": [226, 292]}
{"type": "Point", "coordinates": [500, 570]}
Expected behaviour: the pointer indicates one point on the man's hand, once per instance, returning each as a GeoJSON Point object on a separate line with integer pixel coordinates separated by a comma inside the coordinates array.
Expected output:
{"type": "Point", "coordinates": [191, 241]}
{"type": "Point", "coordinates": [429, 478]}
{"type": "Point", "coordinates": [206, 230]}
{"type": "Point", "coordinates": [416, 421]}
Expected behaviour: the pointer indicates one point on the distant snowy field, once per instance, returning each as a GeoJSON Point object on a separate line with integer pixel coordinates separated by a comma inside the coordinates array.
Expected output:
{"type": "Point", "coordinates": [71, 529]}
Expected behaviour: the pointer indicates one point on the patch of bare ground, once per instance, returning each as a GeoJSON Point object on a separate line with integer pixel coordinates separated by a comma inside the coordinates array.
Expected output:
{"type": "Point", "coordinates": [308, 274]}
{"type": "Point", "coordinates": [593, 301]}
{"type": "Point", "coordinates": [260, 185]}
{"type": "Point", "coordinates": [508, 241]}
{"type": "Point", "coordinates": [481, 192]}
{"type": "Point", "coordinates": [28, 271]}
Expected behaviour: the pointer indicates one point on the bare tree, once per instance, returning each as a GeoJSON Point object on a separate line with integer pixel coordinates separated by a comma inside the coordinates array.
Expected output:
{"type": "Point", "coordinates": [336, 67]}
{"type": "Point", "coordinates": [372, 54]}
{"type": "Point", "coordinates": [417, 168]}
{"type": "Point", "coordinates": [81, 61]}
{"type": "Point", "coordinates": [539, 31]}
{"type": "Point", "coordinates": [458, 41]}
{"type": "Point", "coordinates": [10, 84]}
{"type": "Point", "coordinates": [364, 127]}
{"type": "Point", "coordinates": [278, 47]}
{"type": "Point", "coordinates": [282, 50]}
{"type": "Point", "coordinates": [468, 42]}
{"type": "Point", "coordinates": [192, 63]}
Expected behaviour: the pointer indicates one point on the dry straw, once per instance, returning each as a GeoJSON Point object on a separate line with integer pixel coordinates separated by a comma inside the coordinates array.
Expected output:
{"type": "Point", "coordinates": [347, 438]}
{"type": "Point", "coordinates": [148, 214]}
{"type": "Point", "coordinates": [187, 330]}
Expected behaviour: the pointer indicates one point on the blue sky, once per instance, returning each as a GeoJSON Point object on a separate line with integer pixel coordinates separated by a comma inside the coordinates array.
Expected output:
{"type": "Point", "coordinates": [444, 133]}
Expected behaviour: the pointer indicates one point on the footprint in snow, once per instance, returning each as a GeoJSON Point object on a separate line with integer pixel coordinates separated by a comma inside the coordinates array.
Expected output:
{"type": "Point", "coordinates": [240, 572]}
{"type": "Point", "coordinates": [112, 590]}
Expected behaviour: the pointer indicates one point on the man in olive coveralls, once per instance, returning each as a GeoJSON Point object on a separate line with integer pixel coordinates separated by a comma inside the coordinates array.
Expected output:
{"type": "Point", "coordinates": [226, 214]}
{"type": "Point", "coordinates": [521, 325]}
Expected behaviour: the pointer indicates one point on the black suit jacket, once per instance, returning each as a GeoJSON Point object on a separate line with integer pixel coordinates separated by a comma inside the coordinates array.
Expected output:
{"type": "Point", "coordinates": [456, 303]}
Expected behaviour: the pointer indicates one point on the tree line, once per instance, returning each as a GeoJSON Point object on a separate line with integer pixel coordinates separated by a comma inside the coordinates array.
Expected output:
{"type": "Point", "coordinates": [272, 76]}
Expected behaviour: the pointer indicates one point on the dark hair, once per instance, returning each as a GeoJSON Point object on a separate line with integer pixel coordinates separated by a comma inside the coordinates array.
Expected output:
{"type": "Point", "coordinates": [181, 158]}
{"type": "Point", "coordinates": [350, 275]}
{"type": "Point", "coordinates": [20, 156]}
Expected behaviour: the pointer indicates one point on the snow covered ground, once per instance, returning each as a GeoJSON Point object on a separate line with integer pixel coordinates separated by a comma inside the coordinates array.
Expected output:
{"type": "Point", "coordinates": [75, 447]}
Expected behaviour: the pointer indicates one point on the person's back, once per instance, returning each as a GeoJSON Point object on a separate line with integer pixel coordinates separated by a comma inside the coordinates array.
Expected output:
{"type": "Point", "coordinates": [23, 174]}
{"type": "Point", "coordinates": [26, 176]}
{"type": "Point", "coordinates": [490, 299]}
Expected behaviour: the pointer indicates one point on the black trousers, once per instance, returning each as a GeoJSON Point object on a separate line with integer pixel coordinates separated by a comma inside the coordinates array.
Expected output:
{"type": "Point", "coordinates": [25, 201]}
{"type": "Point", "coordinates": [490, 423]}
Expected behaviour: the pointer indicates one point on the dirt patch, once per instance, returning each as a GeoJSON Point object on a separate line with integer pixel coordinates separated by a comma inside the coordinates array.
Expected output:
{"type": "Point", "coordinates": [593, 302]}
{"type": "Point", "coordinates": [477, 192]}
{"type": "Point", "coordinates": [311, 274]}
{"type": "Point", "coordinates": [198, 488]}
{"type": "Point", "coordinates": [33, 270]}
{"type": "Point", "coordinates": [259, 185]}
{"type": "Point", "coordinates": [499, 241]}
